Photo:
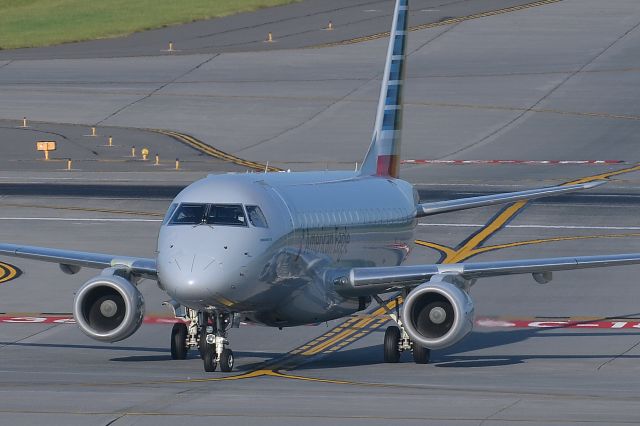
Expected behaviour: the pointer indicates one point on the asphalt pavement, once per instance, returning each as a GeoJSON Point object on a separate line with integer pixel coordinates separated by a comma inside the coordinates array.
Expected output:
{"type": "Point", "coordinates": [552, 87]}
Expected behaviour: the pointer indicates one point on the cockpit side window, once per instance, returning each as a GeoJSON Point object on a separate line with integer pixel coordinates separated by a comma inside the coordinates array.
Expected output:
{"type": "Point", "coordinates": [226, 214]}
{"type": "Point", "coordinates": [256, 217]}
{"type": "Point", "coordinates": [172, 208]}
{"type": "Point", "coordinates": [188, 214]}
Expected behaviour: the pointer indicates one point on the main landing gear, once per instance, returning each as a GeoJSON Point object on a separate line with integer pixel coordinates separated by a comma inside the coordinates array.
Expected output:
{"type": "Point", "coordinates": [206, 332]}
{"type": "Point", "coordinates": [396, 340]}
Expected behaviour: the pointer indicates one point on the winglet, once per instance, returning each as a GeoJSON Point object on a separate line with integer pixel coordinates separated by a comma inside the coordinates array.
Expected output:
{"type": "Point", "coordinates": [383, 157]}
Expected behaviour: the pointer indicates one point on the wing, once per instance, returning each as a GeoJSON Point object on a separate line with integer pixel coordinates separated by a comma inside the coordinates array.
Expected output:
{"type": "Point", "coordinates": [428, 209]}
{"type": "Point", "coordinates": [73, 260]}
{"type": "Point", "coordinates": [363, 281]}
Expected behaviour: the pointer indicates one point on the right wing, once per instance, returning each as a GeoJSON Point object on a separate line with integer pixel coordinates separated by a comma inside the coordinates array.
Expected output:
{"type": "Point", "coordinates": [374, 280]}
{"type": "Point", "coordinates": [143, 267]}
{"type": "Point", "coordinates": [428, 209]}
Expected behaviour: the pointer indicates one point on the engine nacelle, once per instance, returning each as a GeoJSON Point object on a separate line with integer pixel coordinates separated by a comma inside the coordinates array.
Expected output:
{"type": "Point", "coordinates": [437, 315]}
{"type": "Point", "coordinates": [108, 308]}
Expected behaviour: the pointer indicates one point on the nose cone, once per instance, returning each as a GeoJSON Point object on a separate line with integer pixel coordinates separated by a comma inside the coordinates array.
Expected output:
{"type": "Point", "coordinates": [189, 277]}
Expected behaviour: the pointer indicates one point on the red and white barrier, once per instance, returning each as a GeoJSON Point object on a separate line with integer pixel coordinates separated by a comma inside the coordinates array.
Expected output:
{"type": "Point", "coordinates": [481, 322]}
{"type": "Point", "coordinates": [534, 162]}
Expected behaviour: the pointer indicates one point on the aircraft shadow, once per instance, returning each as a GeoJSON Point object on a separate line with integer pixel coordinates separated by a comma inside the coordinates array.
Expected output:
{"type": "Point", "coordinates": [451, 357]}
{"type": "Point", "coordinates": [195, 355]}
{"type": "Point", "coordinates": [73, 346]}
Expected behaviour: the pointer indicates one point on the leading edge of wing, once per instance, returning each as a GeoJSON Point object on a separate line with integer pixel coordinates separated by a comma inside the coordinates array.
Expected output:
{"type": "Point", "coordinates": [140, 266]}
{"type": "Point", "coordinates": [428, 209]}
{"type": "Point", "coordinates": [381, 279]}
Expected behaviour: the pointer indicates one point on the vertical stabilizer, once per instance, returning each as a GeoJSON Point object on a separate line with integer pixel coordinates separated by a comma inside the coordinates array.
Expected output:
{"type": "Point", "coordinates": [383, 157]}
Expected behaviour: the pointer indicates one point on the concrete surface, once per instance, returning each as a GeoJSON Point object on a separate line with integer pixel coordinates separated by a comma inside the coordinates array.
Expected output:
{"type": "Point", "coordinates": [555, 82]}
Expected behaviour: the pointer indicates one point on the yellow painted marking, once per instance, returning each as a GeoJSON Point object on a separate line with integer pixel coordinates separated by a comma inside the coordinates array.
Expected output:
{"type": "Point", "coordinates": [8, 272]}
{"type": "Point", "coordinates": [549, 240]}
{"type": "Point", "coordinates": [443, 23]}
{"type": "Point", "coordinates": [447, 251]}
{"type": "Point", "coordinates": [214, 152]}
{"type": "Point", "coordinates": [340, 336]}
{"type": "Point", "coordinates": [465, 251]}
{"type": "Point", "coordinates": [605, 175]}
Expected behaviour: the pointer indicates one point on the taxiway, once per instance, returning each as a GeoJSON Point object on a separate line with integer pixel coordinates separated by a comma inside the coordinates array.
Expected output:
{"type": "Point", "coordinates": [554, 81]}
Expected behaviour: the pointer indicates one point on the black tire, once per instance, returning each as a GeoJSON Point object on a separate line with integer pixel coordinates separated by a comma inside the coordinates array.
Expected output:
{"type": "Point", "coordinates": [203, 335]}
{"type": "Point", "coordinates": [226, 360]}
{"type": "Point", "coordinates": [421, 354]}
{"type": "Point", "coordinates": [179, 341]}
{"type": "Point", "coordinates": [202, 342]}
{"type": "Point", "coordinates": [392, 344]}
{"type": "Point", "coordinates": [209, 359]}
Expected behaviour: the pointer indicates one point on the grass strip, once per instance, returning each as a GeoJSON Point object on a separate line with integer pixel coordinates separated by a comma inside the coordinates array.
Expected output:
{"type": "Point", "coordinates": [33, 23]}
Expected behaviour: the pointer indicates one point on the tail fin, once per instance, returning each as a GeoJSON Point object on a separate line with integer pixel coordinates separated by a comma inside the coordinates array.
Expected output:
{"type": "Point", "coordinates": [383, 157]}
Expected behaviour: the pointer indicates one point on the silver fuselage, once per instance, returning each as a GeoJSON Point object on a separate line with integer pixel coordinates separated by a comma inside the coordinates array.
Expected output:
{"type": "Point", "coordinates": [318, 223]}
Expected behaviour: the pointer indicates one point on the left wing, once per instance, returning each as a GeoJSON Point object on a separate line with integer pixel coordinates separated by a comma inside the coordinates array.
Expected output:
{"type": "Point", "coordinates": [71, 261]}
{"type": "Point", "coordinates": [428, 209]}
{"type": "Point", "coordinates": [365, 281]}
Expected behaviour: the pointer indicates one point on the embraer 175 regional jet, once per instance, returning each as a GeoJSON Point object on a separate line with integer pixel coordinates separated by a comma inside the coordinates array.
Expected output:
{"type": "Point", "coordinates": [286, 249]}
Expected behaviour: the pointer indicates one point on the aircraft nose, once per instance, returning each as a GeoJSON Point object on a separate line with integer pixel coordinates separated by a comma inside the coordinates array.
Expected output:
{"type": "Point", "coordinates": [189, 276]}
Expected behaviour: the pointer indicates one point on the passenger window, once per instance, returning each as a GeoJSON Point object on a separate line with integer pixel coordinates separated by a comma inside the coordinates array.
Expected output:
{"type": "Point", "coordinates": [226, 214]}
{"type": "Point", "coordinates": [172, 208]}
{"type": "Point", "coordinates": [188, 214]}
{"type": "Point", "coordinates": [256, 217]}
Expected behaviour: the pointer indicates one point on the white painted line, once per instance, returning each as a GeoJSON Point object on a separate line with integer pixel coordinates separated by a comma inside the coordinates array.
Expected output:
{"type": "Point", "coordinates": [475, 225]}
{"type": "Point", "coordinates": [81, 219]}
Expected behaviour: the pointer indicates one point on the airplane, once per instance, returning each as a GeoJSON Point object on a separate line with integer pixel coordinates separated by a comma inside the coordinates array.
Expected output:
{"type": "Point", "coordinates": [288, 249]}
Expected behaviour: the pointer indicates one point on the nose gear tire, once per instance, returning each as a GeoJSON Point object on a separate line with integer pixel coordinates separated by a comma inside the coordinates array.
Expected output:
{"type": "Point", "coordinates": [209, 359]}
{"type": "Point", "coordinates": [226, 360]}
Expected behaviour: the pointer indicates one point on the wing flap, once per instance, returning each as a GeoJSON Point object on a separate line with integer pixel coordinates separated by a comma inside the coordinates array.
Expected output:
{"type": "Point", "coordinates": [141, 266]}
{"type": "Point", "coordinates": [360, 281]}
{"type": "Point", "coordinates": [428, 209]}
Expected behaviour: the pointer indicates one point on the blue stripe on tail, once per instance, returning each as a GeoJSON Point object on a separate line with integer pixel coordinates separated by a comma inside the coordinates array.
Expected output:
{"type": "Point", "coordinates": [383, 157]}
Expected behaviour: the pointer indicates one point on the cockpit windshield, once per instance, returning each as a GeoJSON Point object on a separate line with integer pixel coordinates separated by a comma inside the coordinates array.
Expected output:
{"type": "Point", "coordinates": [188, 214]}
{"type": "Point", "coordinates": [256, 217]}
{"type": "Point", "coordinates": [215, 214]}
{"type": "Point", "coordinates": [226, 214]}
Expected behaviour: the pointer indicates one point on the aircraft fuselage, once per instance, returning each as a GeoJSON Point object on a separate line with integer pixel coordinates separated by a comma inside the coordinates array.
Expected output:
{"type": "Point", "coordinates": [275, 273]}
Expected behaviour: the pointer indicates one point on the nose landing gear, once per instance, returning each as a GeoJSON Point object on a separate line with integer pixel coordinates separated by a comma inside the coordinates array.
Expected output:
{"type": "Point", "coordinates": [205, 332]}
{"type": "Point", "coordinates": [214, 350]}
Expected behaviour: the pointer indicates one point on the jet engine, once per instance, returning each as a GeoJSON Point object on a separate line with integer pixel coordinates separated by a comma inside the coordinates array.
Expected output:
{"type": "Point", "coordinates": [437, 315]}
{"type": "Point", "coordinates": [108, 308]}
